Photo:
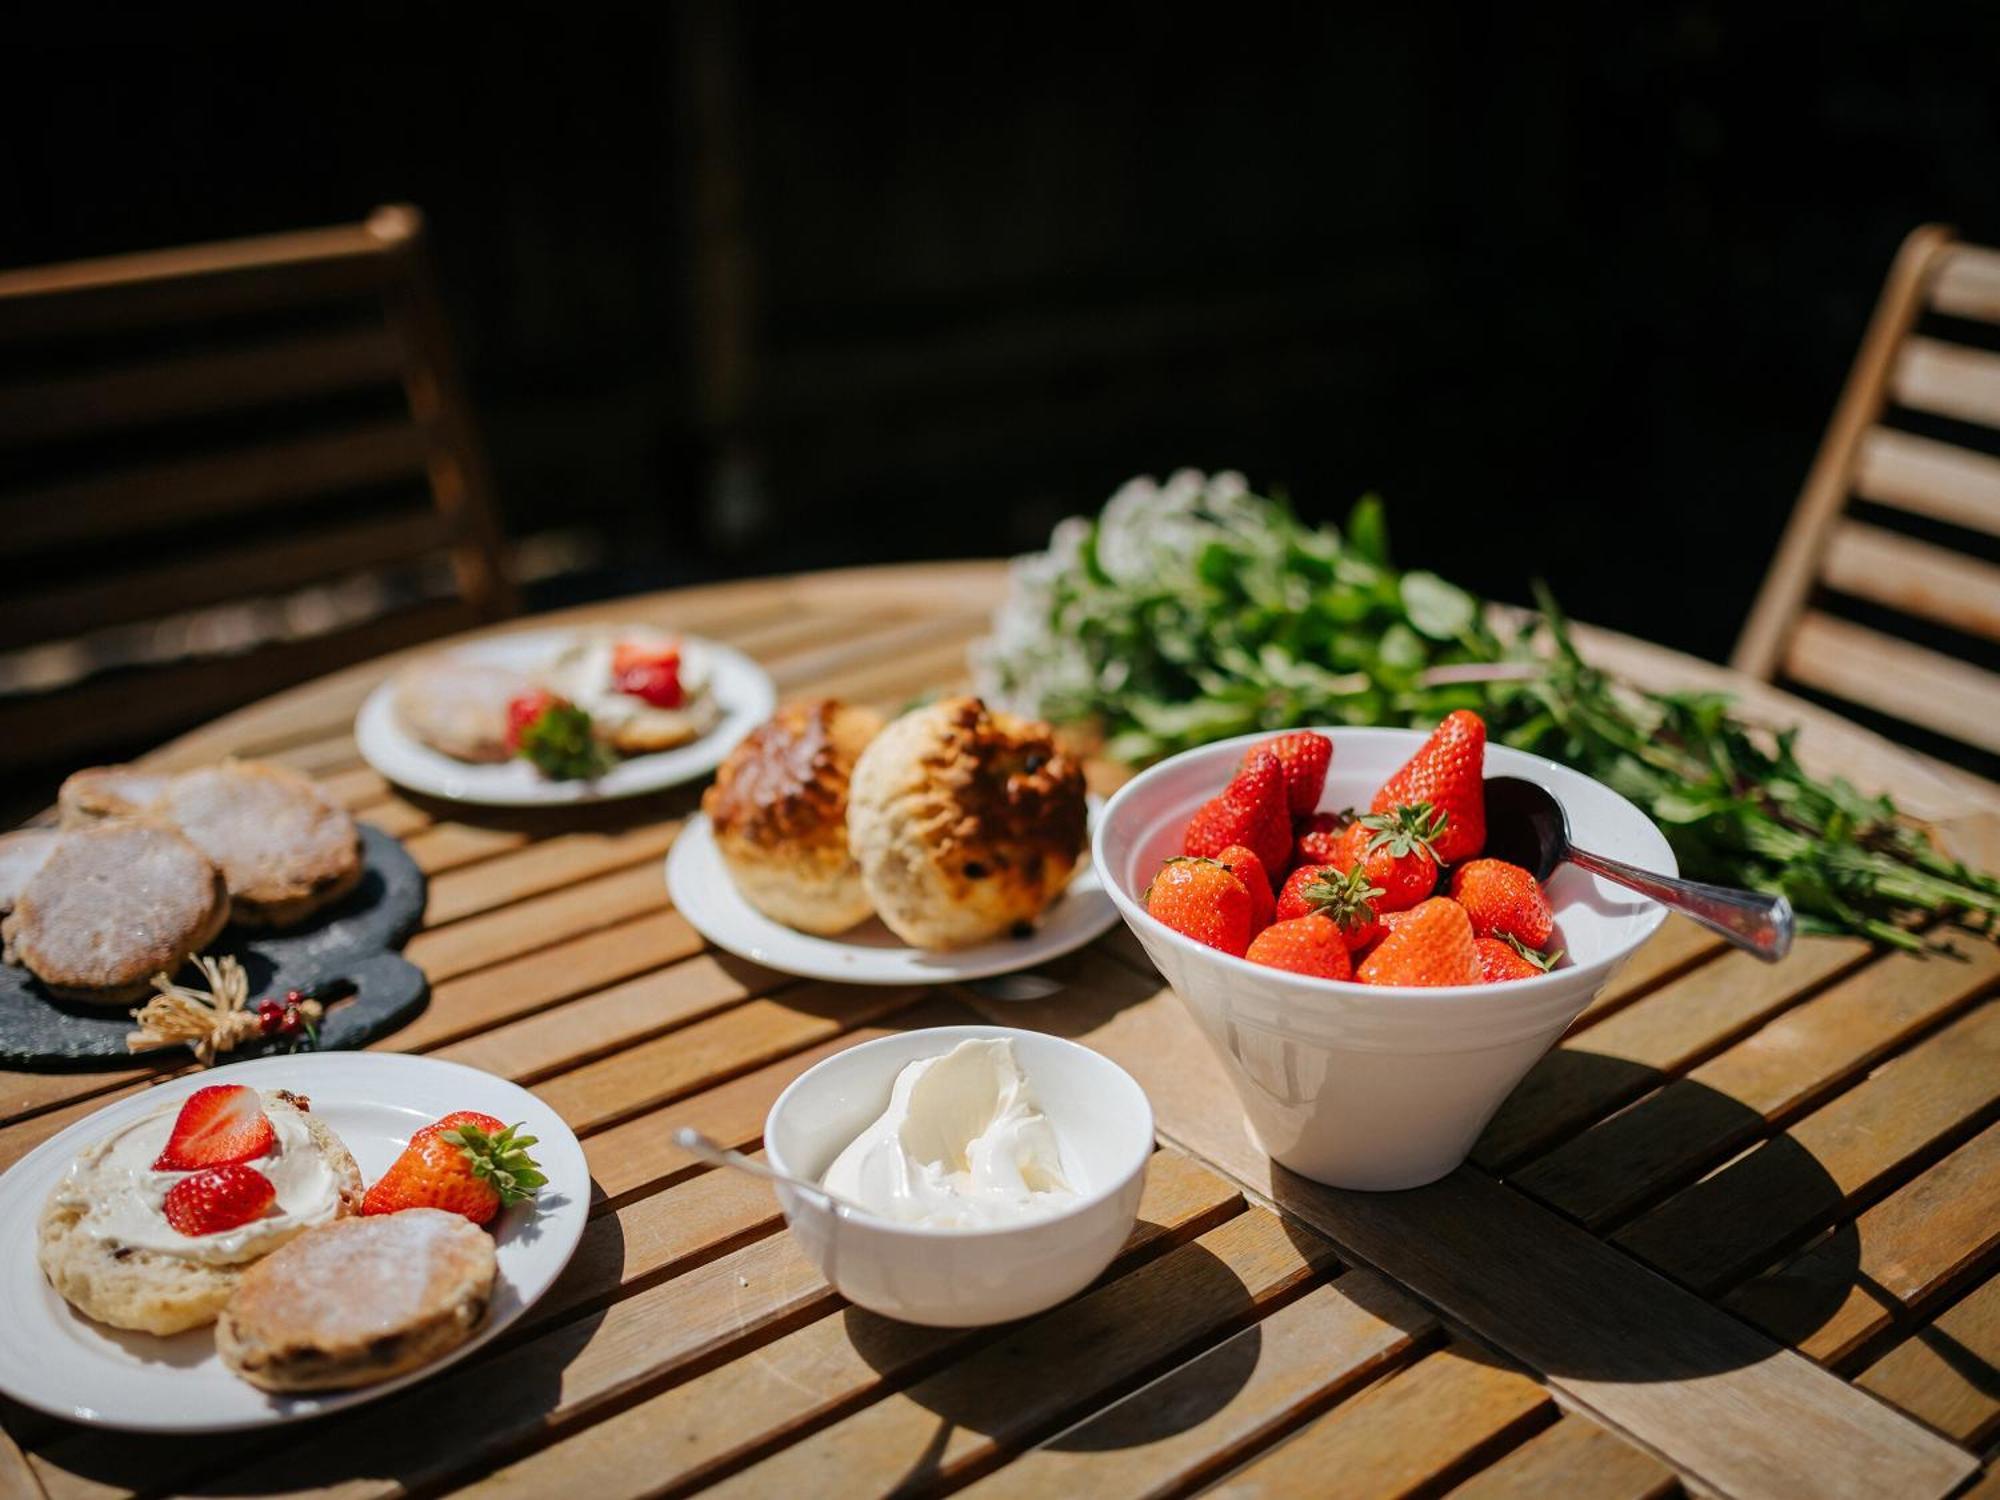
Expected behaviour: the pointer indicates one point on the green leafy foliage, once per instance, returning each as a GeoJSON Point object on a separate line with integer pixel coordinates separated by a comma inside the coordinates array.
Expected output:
{"type": "Point", "coordinates": [561, 745]}
{"type": "Point", "coordinates": [1196, 610]}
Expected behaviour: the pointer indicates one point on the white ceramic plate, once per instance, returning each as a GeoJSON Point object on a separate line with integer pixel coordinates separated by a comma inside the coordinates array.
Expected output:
{"type": "Point", "coordinates": [706, 895]}
{"type": "Point", "coordinates": [54, 1358]}
{"type": "Point", "coordinates": [742, 688]}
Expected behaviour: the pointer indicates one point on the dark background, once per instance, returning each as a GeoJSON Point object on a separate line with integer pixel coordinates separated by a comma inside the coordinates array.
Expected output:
{"type": "Point", "coordinates": [750, 287]}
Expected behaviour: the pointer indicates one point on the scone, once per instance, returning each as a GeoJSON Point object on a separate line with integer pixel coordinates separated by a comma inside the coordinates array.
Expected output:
{"type": "Point", "coordinates": [634, 709]}
{"type": "Point", "coordinates": [106, 1246]}
{"type": "Point", "coordinates": [99, 792]}
{"type": "Point", "coordinates": [111, 906]}
{"type": "Point", "coordinates": [459, 707]}
{"type": "Point", "coordinates": [21, 854]}
{"type": "Point", "coordinates": [358, 1301]}
{"type": "Point", "coordinates": [283, 846]}
{"type": "Point", "coordinates": [966, 823]}
{"type": "Point", "coordinates": [779, 808]}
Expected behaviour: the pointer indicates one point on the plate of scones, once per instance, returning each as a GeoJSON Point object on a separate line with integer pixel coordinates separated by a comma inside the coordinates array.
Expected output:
{"type": "Point", "coordinates": [548, 717]}
{"type": "Point", "coordinates": [950, 843]}
{"type": "Point", "coordinates": [314, 1231]}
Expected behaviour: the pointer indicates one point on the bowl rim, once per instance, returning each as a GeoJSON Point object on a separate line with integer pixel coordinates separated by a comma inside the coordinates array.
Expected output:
{"type": "Point", "coordinates": [1541, 986]}
{"type": "Point", "coordinates": [969, 1031]}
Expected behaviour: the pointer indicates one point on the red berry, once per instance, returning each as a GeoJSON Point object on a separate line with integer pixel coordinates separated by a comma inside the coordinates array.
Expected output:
{"type": "Point", "coordinates": [1395, 852]}
{"type": "Point", "coordinates": [217, 1125]}
{"type": "Point", "coordinates": [1250, 811]}
{"type": "Point", "coordinates": [1448, 772]}
{"type": "Point", "coordinates": [1305, 756]}
{"type": "Point", "coordinates": [1304, 945]}
{"type": "Point", "coordinates": [1504, 900]}
{"type": "Point", "coordinates": [1315, 838]}
{"type": "Point", "coordinates": [1432, 944]}
{"type": "Point", "coordinates": [270, 1016]}
{"type": "Point", "coordinates": [524, 709]}
{"type": "Point", "coordinates": [1249, 869]}
{"type": "Point", "coordinates": [1502, 960]}
{"type": "Point", "coordinates": [1199, 898]}
{"type": "Point", "coordinates": [218, 1198]}
{"type": "Point", "coordinates": [1345, 897]}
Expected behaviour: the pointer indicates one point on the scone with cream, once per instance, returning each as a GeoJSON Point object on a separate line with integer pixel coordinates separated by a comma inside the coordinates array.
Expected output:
{"type": "Point", "coordinates": [154, 1225]}
{"type": "Point", "coordinates": [779, 809]}
{"type": "Point", "coordinates": [643, 689]}
{"type": "Point", "coordinates": [358, 1301]}
{"type": "Point", "coordinates": [966, 823]}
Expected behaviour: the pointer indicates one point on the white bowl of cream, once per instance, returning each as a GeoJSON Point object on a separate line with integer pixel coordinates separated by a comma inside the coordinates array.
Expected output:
{"type": "Point", "coordinates": [982, 1173]}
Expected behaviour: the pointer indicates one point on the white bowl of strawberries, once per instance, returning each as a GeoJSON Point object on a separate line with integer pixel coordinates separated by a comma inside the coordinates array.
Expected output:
{"type": "Point", "coordinates": [1373, 986]}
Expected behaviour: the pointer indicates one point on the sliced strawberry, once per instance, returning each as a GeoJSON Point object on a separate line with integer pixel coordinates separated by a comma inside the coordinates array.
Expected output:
{"type": "Point", "coordinates": [220, 1124]}
{"type": "Point", "coordinates": [654, 679]}
{"type": "Point", "coordinates": [218, 1198]}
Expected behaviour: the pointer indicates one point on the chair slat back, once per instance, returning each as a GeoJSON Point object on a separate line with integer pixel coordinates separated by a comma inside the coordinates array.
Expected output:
{"type": "Point", "coordinates": [270, 430]}
{"type": "Point", "coordinates": [1911, 568]}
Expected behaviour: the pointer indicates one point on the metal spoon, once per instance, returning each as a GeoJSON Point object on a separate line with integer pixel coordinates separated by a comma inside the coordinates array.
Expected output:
{"type": "Point", "coordinates": [716, 1154]}
{"type": "Point", "coordinates": [1526, 825]}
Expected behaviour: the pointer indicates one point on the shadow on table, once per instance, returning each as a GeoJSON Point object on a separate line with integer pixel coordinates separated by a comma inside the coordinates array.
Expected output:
{"type": "Point", "coordinates": [492, 1403]}
{"type": "Point", "coordinates": [1032, 1376]}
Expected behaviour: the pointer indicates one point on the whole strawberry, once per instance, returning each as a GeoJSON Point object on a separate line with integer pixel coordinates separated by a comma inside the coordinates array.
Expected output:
{"type": "Point", "coordinates": [218, 1198]}
{"type": "Point", "coordinates": [1431, 945]}
{"type": "Point", "coordinates": [1343, 896]}
{"type": "Point", "coordinates": [1396, 852]}
{"type": "Point", "coordinates": [1503, 959]}
{"type": "Point", "coordinates": [463, 1169]}
{"type": "Point", "coordinates": [1503, 900]}
{"type": "Point", "coordinates": [1200, 899]}
{"type": "Point", "coordinates": [1251, 811]}
{"type": "Point", "coordinates": [1248, 868]}
{"type": "Point", "coordinates": [1304, 945]}
{"type": "Point", "coordinates": [1305, 756]}
{"type": "Point", "coordinates": [1315, 838]}
{"type": "Point", "coordinates": [1448, 772]}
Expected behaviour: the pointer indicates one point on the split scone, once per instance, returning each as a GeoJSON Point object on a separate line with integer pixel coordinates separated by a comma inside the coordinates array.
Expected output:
{"type": "Point", "coordinates": [99, 792]}
{"type": "Point", "coordinates": [644, 690]}
{"type": "Point", "coordinates": [965, 823]}
{"type": "Point", "coordinates": [105, 1241]}
{"type": "Point", "coordinates": [358, 1301]}
{"type": "Point", "coordinates": [779, 808]}
{"type": "Point", "coordinates": [284, 847]}
{"type": "Point", "coordinates": [459, 707]}
{"type": "Point", "coordinates": [111, 905]}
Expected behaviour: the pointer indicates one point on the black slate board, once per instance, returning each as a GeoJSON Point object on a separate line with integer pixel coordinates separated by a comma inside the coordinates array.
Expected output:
{"type": "Point", "coordinates": [353, 944]}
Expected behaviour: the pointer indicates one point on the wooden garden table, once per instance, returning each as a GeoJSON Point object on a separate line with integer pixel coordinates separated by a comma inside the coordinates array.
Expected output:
{"type": "Point", "coordinates": [1737, 1234]}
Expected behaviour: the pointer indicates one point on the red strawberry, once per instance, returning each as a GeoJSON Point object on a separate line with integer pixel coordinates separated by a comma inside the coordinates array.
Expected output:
{"type": "Point", "coordinates": [1305, 756]}
{"type": "Point", "coordinates": [1304, 945]}
{"type": "Point", "coordinates": [1396, 852]}
{"type": "Point", "coordinates": [1249, 869]}
{"type": "Point", "coordinates": [465, 1169]}
{"type": "Point", "coordinates": [523, 709]}
{"type": "Point", "coordinates": [218, 1198]}
{"type": "Point", "coordinates": [1449, 772]}
{"type": "Point", "coordinates": [1431, 945]}
{"type": "Point", "coordinates": [217, 1125]}
{"type": "Point", "coordinates": [488, 1123]}
{"type": "Point", "coordinates": [1315, 838]}
{"type": "Point", "coordinates": [1503, 900]}
{"type": "Point", "coordinates": [1344, 896]}
{"type": "Point", "coordinates": [649, 673]}
{"type": "Point", "coordinates": [1251, 811]}
{"type": "Point", "coordinates": [1201, 899]}
{"type": "Point", "coordinates": [1504, 959]}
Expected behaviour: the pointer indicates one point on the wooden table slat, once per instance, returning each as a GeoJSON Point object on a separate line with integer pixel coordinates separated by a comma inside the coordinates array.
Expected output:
{"type": "Point", "coordinates": [1947, 1373]}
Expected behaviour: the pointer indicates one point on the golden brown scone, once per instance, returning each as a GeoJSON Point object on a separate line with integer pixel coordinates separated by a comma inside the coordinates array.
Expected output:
{"type": "Point", "coordinates": [459, 707]}
{"type": "Point", "coordinates": [284, 847]}
{"type": "Point", "coordinates": [99, 792]}
{"type": "Point", "coordinates": [779, 806]}
{"type": "Point", "coordinates": [111, 906]}
{"type": "Point", "coordinates": [966, 823]}
{"type": "Point", "coordinates": [358, 1301]}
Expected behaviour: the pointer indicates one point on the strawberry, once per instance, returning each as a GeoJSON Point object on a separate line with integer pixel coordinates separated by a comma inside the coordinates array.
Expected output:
{"type": "Point", "coordinates": [649, 673]}
{"type": "Point", "coordinates": [1396, 852]}
{"type": "Point", "coordinates": [1304, 945]}
{"type": "Point", "coordinates": [1201, 899]}
{"type": "Point", "coordinates": [1251, 811]}
{"type": "Point", "coordinates": [1431, 945]}
{"type": "Point", "coordinates": [1315, 837]}
{"type": "Point", "coordinates": [1504, 959]}
{"type": "Point", "coordinates": [464, 1169]}
{"type": "Point", "coordinates": [1305, 756]}
{"type": "Point", "coordinates": [1503, 900]}
{"type": "Point", "coordinates": [1345, 896]}
{"type": "Point", "coordinates": [1449, 772]}
{"type": "Point", "coordinates": [1249, 869]}
{"type": "Point", "coordinates": [488, 1123]}
{"type": "Point", "coordinates": [218, 1198]}
{"type": "Point", "coordinates": [217, 1125]}
{"type": "Point", "coordinates": [523, 709]}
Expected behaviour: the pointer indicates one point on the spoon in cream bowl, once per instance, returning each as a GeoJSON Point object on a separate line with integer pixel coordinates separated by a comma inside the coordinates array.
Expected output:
{"type": "Point", "coordinates": [1526, 826]}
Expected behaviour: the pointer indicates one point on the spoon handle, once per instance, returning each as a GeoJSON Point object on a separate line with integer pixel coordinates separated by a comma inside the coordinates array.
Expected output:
{"type": "Point", "coordinates": [1761, 924]}
{"type": "Point", "coordinates": [717, 1155]}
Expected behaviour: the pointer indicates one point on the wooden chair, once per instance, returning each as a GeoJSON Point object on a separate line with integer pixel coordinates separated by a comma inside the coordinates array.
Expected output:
{"type": "Point", "coordinates": [1927, 489]}
{"type": "Point", "coordinates": [225, 469]}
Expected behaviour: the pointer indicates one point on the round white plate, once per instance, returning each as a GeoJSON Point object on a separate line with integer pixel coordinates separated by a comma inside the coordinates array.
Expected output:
{"type": "Point", "coordinates": [706, 895]}
{"type": "Point", "coordinates": [56, 1359]}
{"type": "Point", "coordinates": [742, 688]}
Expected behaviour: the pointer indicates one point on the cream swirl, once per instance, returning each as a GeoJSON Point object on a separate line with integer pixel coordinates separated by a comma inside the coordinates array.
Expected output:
{"type": "Point", "coordinates": [583, 675]}
{"type": "Point", "coordinates": [121, 1195]}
